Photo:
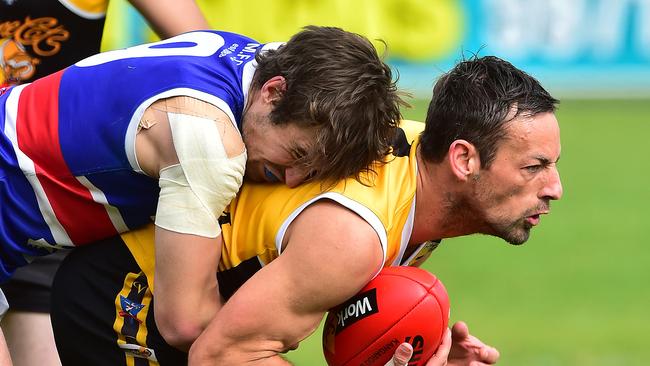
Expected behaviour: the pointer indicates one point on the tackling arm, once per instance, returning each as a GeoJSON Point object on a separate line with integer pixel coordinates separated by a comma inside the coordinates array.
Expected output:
{"type": "Point", "coordinates": [198, 179]}
{"type": "Point", "coordinates": [186, 289]}
{"type": "Point", "coordinates": [330, 254]}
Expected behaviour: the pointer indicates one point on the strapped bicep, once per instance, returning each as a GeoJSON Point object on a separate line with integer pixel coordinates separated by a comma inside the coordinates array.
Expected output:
{"type": "Point", "coordinates": [183, 105]}
{"type": "Point", "coordinates": [210, 171]}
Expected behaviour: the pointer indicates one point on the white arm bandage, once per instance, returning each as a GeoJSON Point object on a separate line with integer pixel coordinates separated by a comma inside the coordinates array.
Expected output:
{"type": "Point", "coordinates": [194, 193]}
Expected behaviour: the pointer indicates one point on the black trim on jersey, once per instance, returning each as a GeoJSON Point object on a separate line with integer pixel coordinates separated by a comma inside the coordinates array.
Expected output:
{"type": "Point", "coordinates": [400, 144]}
{"type": "Point", "coordinates": [231, 279]}
{"type": "Point", "coordinates": [136, 295]}
{"type": "Point", "coordinates": [83, 308]}
{"type": "Point", "coordinates": [224, 219]}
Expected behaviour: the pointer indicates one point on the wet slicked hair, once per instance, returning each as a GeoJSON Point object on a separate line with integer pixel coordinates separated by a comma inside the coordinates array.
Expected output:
{"type": "Point", "coordinates": [338, 84]}
{"type": "Point", "coordinates": [475, 101]}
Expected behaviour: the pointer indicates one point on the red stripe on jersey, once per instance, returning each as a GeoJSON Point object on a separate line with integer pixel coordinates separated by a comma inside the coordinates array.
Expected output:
{"type": "Point", "coordinates": [37, 130]}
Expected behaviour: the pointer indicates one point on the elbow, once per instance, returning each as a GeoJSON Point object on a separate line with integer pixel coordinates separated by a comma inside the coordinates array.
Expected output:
{"type": "Point", "coordinates": [200, 354]}
{"type": "Point", "coordinates": [212, 349]}
{"type": "Point", "coordinates": [178, 330]}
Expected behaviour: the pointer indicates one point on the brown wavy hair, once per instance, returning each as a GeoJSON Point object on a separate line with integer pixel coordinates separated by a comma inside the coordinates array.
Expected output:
{"type": "Point", "coordinates": [337, 83]}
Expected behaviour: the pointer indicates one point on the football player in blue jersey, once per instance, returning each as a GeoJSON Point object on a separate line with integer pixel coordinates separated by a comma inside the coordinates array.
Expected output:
{"type": "Point", "coordinates": [167, 129]}
{"type": "Point", "coordinates": [38, 38]}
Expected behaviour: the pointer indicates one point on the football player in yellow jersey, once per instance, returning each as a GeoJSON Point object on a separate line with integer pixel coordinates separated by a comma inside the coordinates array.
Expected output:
{"type": "Point", "coordinates": [485, 163]}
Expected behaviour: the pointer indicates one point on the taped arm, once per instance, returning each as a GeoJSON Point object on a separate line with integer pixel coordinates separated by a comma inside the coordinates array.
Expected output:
{"type": "Point", "coordinates": [331, 253]}
{"type": "Point", "coordinates": [201, 159]}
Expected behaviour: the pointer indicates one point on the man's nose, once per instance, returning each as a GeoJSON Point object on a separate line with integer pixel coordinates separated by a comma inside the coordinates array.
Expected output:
{"type": "Point", "coordinates": [553, 187]}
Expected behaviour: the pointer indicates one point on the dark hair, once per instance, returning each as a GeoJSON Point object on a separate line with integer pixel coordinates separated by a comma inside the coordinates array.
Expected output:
{"type": "Point", "coordinates": [474, 101]}
{"type": "Point", "coordinates": [337, 83]}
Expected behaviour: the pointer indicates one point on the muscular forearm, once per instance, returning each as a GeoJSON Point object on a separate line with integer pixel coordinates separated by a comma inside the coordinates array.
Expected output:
{"type": "Point", "coordinates": [186, 290]}
{"type": "Point", "coordinates": [285, 301]}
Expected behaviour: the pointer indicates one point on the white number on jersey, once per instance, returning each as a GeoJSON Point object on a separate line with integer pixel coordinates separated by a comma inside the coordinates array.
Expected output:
{"type": "Point", "coordinates": [200, 44]}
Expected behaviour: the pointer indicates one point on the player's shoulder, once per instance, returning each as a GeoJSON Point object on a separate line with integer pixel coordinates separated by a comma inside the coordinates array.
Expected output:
{"type": "Point", "coordinates": [336, 222]}
{"type": "Point", "coordinates": [339, 236]}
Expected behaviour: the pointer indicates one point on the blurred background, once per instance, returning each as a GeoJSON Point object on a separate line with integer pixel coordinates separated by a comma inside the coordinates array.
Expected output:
{"type": "Point", "coordinates": [576, 293]}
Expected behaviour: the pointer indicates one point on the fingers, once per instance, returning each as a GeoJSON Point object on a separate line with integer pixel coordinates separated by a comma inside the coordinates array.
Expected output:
{"type": "Point", "coordinates": [471, 348]}
{"type": "Point", "coordinates": [489, 355]}
{"type": "Point", "coordinates": [440, 357]}
{"type": "Point", "coordinates": [401, 356]}
{"type": "Point", "coordinates": [459, 331]}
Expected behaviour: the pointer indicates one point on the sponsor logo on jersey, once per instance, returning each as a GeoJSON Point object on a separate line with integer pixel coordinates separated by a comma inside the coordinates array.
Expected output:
{"type": "Point", "coordinates": [229, 50]}
{"type": "Point", "coordinates": [245, 54]}
{"type": "Point", "coordinates": [130, 309]}
{"type": "Point", "coordinates": [355, 309]}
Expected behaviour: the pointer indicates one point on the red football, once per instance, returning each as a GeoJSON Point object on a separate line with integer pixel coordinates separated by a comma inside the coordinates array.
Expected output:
{"type": "Point", "coordinates": [401, 304]}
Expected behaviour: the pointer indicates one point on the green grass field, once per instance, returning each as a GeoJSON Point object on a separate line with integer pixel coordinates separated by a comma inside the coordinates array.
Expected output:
{"type": "Point", "coordinates": [577, 292]}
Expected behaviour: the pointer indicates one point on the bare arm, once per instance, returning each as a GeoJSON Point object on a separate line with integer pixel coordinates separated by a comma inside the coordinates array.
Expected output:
{"type": "Point", "coordinates": [5, 358]}
{"type": "Point", "coordinates": [186, 290]}
{"type": "Point", "coordinates": [331, 253]}
{"type": "Point", "coordinates": [171, 17]}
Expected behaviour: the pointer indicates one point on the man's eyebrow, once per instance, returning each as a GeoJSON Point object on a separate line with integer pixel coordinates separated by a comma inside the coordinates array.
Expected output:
{"type": "Point", "coordinates": [544, 160]}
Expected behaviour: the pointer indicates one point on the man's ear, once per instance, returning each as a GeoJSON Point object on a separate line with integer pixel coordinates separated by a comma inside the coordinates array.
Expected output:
{"type": "Point", "coordinates": [463, 159]}
{"type": "Point", "coordinates": [273, 89]}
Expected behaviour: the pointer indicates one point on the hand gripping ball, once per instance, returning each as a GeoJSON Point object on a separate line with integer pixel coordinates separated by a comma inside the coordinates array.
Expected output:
{"type": "Point", "coordinates": [401, 304]}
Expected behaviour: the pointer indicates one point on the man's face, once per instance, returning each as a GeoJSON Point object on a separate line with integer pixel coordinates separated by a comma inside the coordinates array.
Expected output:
{"type": "Point", "coordinates": [273, 150]}
{"type": "Point", "coordinates": [522, 180]}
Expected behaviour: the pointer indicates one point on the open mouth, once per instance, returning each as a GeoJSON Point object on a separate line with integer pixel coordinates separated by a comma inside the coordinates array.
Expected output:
{"type": "Point", "coordinates": [533, 219]}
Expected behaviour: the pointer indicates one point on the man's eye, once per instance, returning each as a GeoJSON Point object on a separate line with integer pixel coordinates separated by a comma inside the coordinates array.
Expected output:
{"type": "Point", "coordinates": [270, 176]}
{"type": "Point", "coordinates": [533, 168]}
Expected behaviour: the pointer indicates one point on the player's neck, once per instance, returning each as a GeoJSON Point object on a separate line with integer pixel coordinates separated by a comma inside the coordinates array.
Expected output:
{"type": "Point", "coordinates": [427, 201]}
{"type": "Point", "coordinates": [437, 214]}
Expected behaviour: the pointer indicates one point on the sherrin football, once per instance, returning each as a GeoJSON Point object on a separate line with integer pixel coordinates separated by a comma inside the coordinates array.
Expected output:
{"type": "Point", "coordinates": [401, 304]}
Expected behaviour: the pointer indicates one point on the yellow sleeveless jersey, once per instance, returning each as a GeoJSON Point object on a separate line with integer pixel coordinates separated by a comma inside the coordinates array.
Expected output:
{"type": "Point", "coordinates": [254, 227]}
